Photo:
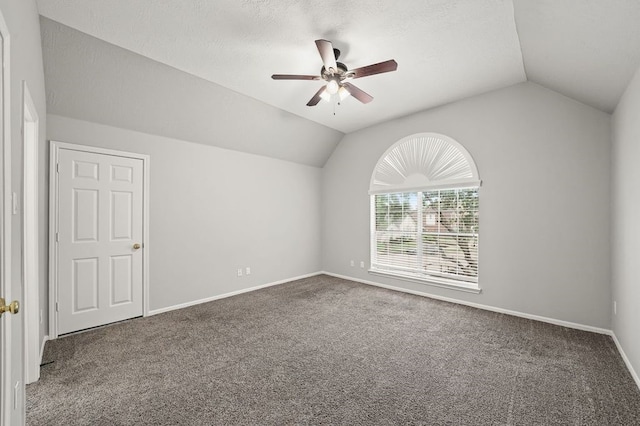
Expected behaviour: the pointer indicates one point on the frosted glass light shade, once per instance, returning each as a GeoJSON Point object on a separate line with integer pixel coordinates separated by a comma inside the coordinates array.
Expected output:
{"type": "Point", "coordinates": [325, 96]}
{"type": "Point", "coordinates": [343, 93]}
{"type": "Point", "coordinates": [332, 87]}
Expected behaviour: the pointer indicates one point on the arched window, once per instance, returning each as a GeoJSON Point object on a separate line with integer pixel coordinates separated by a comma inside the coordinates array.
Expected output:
{"type": "Point", "coordinates": [424, 212]}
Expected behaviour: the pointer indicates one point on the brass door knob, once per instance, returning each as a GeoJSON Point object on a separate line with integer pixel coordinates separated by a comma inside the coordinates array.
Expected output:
{"type": "Point", "coordinates": [12, 307]}
{"type": "Point", "coordinates": [136, 246]}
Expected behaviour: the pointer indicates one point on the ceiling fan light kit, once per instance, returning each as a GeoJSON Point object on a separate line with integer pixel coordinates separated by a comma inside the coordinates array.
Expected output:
{"type": "Point", "coordinates": [332, 86]}
{"type": "Point", "coordinates": [337, 76]}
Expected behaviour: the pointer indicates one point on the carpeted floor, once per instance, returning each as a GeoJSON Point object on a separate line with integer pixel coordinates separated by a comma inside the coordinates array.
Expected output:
{"type": "Point", "coordinates": [328, 351]}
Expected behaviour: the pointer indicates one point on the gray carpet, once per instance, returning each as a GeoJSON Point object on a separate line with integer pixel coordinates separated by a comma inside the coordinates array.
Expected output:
{"type": "Point", "coordinates": [328, 351]}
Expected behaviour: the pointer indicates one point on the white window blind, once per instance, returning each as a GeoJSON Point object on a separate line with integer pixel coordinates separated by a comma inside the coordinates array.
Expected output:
{"type": "Point", "coordinates": [427, 234]}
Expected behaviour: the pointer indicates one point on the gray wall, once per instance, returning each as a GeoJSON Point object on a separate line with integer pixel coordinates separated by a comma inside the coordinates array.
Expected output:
{"type": "Point", "coordinates": [544, 209]}
{"type": "Point", "coordinates": [626, 225]}
{"type": "Point", "coordinates": [214, 210]}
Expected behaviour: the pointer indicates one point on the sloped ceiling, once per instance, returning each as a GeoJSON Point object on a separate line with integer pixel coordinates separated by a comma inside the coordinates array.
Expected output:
{"type": "Point", "coordinates": [585, 49]}
{"type": "Point", "coordinates": [89, 79]}
{"type": "Point", "coordinates": [446, 49]}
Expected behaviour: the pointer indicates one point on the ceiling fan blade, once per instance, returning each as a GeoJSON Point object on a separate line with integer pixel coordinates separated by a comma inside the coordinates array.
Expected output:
{"type": "Point", "coordinates": [316, 98]}
{"type": "Point", "coordinates": [294, 77]}
{"type": "Point", "coordinates": [378, 68]}
{"type": "Point", "coordinates": [326, 52]}
{"type": "Point", "coordinates": [357, 93]}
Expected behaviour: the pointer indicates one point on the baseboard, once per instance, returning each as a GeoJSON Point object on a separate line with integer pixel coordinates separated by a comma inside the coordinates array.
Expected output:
{"type": "Point", "coordinates": [480, 306]}
{"type": "Point", "coordinates": [225, 295]}
{"type": "Point", "coordinates": [44, 341]}
{"type": "Point", "coordinates": [626, 360]}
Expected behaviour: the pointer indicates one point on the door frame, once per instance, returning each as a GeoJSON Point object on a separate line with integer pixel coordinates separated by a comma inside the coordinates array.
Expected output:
{"type": "Point", "coordinates": [6, 388]}
{"type": "Point", "coordinates": [30, 235]}
{"type": "Point", "coordinates": [55, 148]}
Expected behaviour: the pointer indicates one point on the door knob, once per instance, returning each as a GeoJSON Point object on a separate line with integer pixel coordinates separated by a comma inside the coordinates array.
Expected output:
{"type": "Point", "coordinates": [12, 307]}
{"type": "Point", "coordinates": [136, 246]}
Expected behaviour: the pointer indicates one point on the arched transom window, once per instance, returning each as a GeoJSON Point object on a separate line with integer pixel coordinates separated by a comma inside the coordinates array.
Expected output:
{"type": "Point", "coordinates": [425, 212]}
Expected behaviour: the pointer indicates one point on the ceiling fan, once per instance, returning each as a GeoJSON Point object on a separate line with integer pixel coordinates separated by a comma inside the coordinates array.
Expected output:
{"type": "Point", "coordinates": [337, 75]}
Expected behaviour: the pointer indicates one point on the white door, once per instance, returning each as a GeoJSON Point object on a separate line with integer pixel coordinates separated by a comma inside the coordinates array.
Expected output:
{"type": "Point", "coordinates": [11, 337]}
{"type": "Point", "coordinates": [100, 226]}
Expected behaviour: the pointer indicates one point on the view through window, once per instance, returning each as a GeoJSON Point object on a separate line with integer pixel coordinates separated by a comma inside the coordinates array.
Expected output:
{"type": "Point", "coordinates": [427, 233]}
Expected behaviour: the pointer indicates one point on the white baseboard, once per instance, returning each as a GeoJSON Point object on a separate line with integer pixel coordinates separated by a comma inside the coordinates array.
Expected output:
{"type": "Point", "coordinates": [626, 360]}
{"type": "Point", "coordinates": [44, 340]}
{"type": "Point", "coordinates": [225, 295]}
{"type": "Point", "coordinates": [32, 372]}
{"type": "Point", "coordinates": [480, 306]}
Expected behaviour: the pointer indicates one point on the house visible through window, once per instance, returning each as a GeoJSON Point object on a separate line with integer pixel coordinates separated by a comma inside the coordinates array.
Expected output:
{"type": "Point", "coordinates": [425, 213]}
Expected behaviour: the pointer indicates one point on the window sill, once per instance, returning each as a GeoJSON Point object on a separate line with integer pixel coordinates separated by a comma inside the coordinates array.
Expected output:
{"type": "Point", "coordinates": [432, 281]}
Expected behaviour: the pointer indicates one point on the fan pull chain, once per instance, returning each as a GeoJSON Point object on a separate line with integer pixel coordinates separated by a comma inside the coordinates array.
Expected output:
{"type": "Point", "coordinates": [336, 102]}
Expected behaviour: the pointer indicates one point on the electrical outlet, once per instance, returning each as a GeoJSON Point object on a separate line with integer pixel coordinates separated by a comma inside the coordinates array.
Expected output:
{"type": "Point", "coordinates": [362, 263]}
{"type": "Point", "coordinates": [353, 263]}
{"type": "Point", "coordinates": [239, 272]}
{"type": "Point", "coordinates": [247, 271]}
{"type": "Point", "coordinates": [615, 308]}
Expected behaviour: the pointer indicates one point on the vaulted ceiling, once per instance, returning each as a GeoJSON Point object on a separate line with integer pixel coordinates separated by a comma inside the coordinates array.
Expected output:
{"type": "Point", "coordinates": [446, 49]}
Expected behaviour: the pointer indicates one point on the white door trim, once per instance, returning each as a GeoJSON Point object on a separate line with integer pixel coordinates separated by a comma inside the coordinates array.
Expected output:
{"type": "Point", "coordinates": [6, 390]}
{"type": "Point", "coordinates": [53, 224]}
{"type": "Point", "coordinates": [30, 264]}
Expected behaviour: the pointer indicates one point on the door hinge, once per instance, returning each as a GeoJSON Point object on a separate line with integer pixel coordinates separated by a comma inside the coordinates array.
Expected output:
{"type": "Point", "coordinates": [57, 307]}
{"type": "Point", "coordinates": [57, 167]}
{"type": "Point", "coordinates": [57, 237]}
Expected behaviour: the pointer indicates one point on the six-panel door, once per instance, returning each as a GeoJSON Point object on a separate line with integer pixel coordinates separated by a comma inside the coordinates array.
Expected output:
{"type": "Point", "coordinates": [100, 220]}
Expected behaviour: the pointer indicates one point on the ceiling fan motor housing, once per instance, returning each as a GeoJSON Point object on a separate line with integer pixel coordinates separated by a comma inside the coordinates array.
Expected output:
{"type": "Point", "coordinates": [341, 72]}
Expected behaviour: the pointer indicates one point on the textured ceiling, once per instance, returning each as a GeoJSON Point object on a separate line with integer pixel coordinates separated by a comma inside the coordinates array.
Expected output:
{"type": "Point", "coordinates": [585, 49]}
{"type": "Point", "coordinates": [446, 49]}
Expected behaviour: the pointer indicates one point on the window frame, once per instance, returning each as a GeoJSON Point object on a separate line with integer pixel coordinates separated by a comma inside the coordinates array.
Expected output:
{"type": "Point", "coordinates": [419, 163]}
{"type": "Point", "coordinates": [468, 284]}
